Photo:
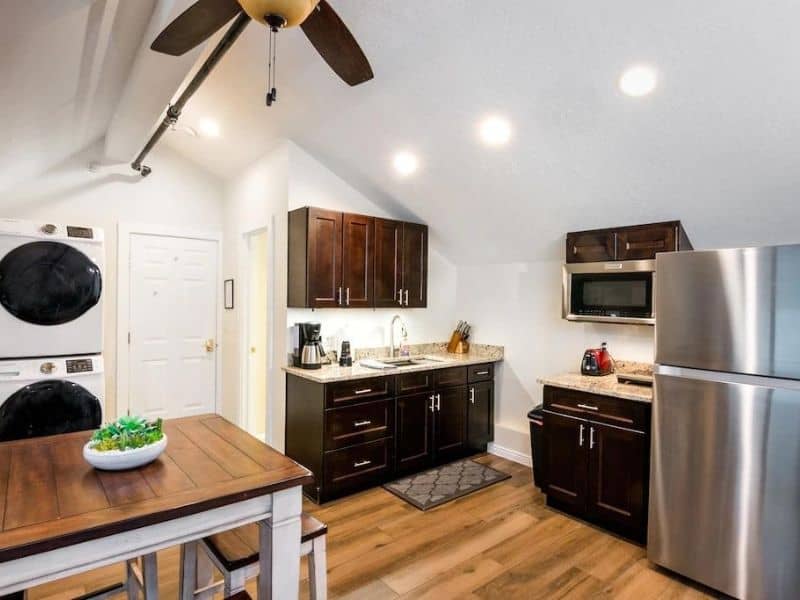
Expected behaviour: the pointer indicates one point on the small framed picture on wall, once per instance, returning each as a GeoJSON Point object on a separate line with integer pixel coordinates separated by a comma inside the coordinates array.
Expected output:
{"type": "Point", "coordinates": [229, 294]}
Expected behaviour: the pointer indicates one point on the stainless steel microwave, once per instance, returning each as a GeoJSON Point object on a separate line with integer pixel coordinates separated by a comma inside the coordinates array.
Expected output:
{"type": "Point", "coordinates": [610, 292]}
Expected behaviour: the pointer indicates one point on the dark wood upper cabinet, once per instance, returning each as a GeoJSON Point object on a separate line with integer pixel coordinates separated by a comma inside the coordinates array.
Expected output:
{"type": "Point", "coordinates": [355, 261]}
{"type": "Point", "coordinates": [480, 415]}
{"type": "Point", "coordinates": [315, 258]}
{"type": "Point", "coordinates": [591, 246]}
{"type": "Point", "coordinates": [388, 263]}
{"type": "Point", "coordinates": [638, 242]}
{"type": "Point", "coordinates": [358, 269]}
{"type": "Point", "coordinates": [415, 265]}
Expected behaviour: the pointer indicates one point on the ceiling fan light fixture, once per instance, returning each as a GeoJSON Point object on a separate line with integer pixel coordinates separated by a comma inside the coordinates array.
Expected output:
{"type": "Point", "coordinates": [294, 12]}
{"type": "Point", "coordinates": [208, 128]}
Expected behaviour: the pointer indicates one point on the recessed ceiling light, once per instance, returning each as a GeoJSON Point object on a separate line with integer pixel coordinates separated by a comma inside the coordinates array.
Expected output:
{"type": "Point", "coordinates": [208, 128]}
{"type": "Point", "coordinates": [405, 163]}
{"type": "Point", "coordinates": [495, 130]}
{"type": "Point", "coordinates": [638, 81]}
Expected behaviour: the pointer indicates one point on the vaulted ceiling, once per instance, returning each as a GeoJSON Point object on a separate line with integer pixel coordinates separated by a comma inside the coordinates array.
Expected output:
{"type": "Point", "coordinates": [714, 145]}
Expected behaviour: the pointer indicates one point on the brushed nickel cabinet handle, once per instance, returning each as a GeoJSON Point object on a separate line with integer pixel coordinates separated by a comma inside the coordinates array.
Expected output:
{"type": "Point", "coordinates": [439, 402]}
{"type": "Point", "coordinates": [588, 407]}
{"type": "Point", "coordinates": [432, 399]}
{"type": "Point", "coordinates": [362, 423]}
{"type": "Point", "coordinates": [472, 395]}
{"type": "Point", "coordinates": [400, 296]}
{"type": "Point", "coordinates": [406, 292]}
{"type": "Point", "coordinates": [362, 463]}
{"type": "Point", "coordinates": [481, 372]}
{"type": "Point", "coordinates": [364, 391]}
{"type": "Point", "coordinates": [348, 297]}
{"type": "Point", "coordinates": [339, 301]}
{"type": "Point", "coordinates": [591, 438]}
{"type": "Point", "coordinates": [580, 436]}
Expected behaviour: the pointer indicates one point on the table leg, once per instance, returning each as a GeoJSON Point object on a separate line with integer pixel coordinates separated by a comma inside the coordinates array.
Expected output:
{"type": "Point", "coordinates": [279, 547]}
{"type": "Point", "coordinates": [188, 573]}
{"type": "Point", "coordinates": [150, 575]}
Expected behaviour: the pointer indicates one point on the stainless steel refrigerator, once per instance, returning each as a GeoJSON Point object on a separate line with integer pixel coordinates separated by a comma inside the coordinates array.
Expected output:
{"type": "Point", "coordinates": [725, 457]}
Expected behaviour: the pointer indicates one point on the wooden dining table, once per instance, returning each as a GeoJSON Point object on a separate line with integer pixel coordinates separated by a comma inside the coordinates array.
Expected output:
{"type": "Point", "coordinates": [60, 516]}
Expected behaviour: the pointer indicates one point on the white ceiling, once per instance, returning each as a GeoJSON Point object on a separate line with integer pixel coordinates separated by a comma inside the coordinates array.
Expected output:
{"type": "Point", "coordinates": [63, 65]}
{"type": "Point", "coordinates": [715, 145]}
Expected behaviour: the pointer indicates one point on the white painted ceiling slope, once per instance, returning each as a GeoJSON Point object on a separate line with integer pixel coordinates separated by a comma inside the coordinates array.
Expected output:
{"type": "Point", "coordinates": [63, 65]}
{"type": "Point", "coordinates": [715, 145]}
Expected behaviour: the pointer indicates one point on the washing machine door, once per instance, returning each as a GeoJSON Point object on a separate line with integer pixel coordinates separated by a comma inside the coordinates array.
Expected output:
{"type": "Point", "coordinates": [48, 408]}
{"type": "Point", "coordinates": [48, 283]}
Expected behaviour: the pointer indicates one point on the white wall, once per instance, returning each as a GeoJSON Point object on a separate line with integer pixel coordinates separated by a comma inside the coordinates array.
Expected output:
{"type": "Point", "coordinates": [518, 305]}
{"type": "Point", "coordinates": [285, 179]}
{"type": "Point", "coordinates": [177, 193]}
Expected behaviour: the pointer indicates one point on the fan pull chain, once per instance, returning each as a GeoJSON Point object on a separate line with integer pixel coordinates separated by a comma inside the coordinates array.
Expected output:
{"type": "Point", "coordinates": [272, 94]}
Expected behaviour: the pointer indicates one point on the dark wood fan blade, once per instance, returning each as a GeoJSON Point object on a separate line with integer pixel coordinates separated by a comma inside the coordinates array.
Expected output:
{"type": "Point", "coordinates": [334, 42]}
{"type": "Point", "coordinates": [195, 25]}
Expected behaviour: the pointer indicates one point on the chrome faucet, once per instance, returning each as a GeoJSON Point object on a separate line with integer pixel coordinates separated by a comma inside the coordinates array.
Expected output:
{"type": "Point", "coordinates": [396, 351]}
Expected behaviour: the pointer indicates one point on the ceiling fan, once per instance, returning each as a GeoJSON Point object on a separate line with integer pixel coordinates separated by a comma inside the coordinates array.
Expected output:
{"type": "Point", "coordinates": [322, 26]}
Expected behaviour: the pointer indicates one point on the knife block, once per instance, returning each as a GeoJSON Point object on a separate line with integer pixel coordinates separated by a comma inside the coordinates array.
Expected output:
{"type": "Point", "coordinates": [456, 345]}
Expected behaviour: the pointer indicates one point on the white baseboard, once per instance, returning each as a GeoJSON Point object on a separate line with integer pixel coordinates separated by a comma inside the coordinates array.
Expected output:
{"type": "Point", "coordinates": [509, 454]}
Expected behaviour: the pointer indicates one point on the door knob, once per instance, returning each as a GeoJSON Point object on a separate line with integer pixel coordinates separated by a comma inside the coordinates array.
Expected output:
{"type": "Point", "coordinates": [252, 349]}
{"type": "Point", "coordinates": [210, 344]}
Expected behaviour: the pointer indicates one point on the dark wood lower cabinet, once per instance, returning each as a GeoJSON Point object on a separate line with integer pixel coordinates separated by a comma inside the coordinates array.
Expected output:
{"type": "Point", "coordinates": [361, 433]}
{"type": "Point", "coordinates": [594, 470]}
{"type": "Point", "coordinates": [414, 433]}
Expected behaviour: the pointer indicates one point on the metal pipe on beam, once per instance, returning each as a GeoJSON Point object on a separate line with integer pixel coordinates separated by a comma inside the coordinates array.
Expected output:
{"type": "Point", "coordinates": [174, 110]}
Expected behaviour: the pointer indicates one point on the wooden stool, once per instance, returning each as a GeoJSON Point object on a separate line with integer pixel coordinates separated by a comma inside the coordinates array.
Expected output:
{"type": "Point", "coordinates": [235, 554]}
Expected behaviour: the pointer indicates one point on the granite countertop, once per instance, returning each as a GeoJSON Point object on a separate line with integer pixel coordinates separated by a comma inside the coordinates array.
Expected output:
{"type": "Point", "coordinates": [606, 385]}
{"type": "Point", "coordinates": [478, 354]}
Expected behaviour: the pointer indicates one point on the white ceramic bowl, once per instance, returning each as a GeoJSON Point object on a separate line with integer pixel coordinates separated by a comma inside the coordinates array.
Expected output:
{"type": "Point", "coordinates": [118, 460]}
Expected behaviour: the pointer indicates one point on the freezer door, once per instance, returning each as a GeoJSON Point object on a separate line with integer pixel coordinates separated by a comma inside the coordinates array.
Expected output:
{"type": "Point", "coordinates": [725, 482]}
{"type": "Point", "coordinates": [730, 310]}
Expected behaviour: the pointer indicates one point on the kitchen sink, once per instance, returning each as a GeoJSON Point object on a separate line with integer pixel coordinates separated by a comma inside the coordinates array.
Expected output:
{"type": "Point", "coordinates": [403, 361]}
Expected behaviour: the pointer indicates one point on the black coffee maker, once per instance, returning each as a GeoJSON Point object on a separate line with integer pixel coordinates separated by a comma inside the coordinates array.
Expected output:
{"type": "Point", "coordinates": [308, 352]}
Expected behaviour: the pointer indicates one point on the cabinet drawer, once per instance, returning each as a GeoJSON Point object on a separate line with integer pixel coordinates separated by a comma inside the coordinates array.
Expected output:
{"type": "Point", "coordinates": [356, 392]}
{"type": "Point", "coordinates": [358, 424]}
{"type": "Point", "coordinates": [478, 373]}
{"type": "Point", "coordinates": [602, 409]}
{"type": "Point", "coordinates": [414, 383]}
{"type": "Point", "coordinates": [358, 466]}
{"type": "Point", "coordinates": [638, 243]}
{"type": "Point", "coordinates": [451, 376]}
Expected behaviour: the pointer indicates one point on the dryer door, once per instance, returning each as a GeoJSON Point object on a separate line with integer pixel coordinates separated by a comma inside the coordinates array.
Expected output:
{"type": "Point", "coordinates": [48, 408]}
{"type": "Point", "coordinates": [48, 283]}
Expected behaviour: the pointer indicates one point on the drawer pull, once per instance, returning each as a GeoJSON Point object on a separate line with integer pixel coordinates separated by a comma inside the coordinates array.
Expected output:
{"type": "Point", "coordinates": [588, 407]}
{"type": "Point", "coordinates": [362, 423]}
{"type": "Point", "coordinates": [364, 391]}
{"type": "Point", "coordinates": [362, 463]}
{"type": "Point", "coordinates": [481, 372]}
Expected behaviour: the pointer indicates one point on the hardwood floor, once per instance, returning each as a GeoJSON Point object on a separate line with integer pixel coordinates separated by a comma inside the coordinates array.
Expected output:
{"type": "Point", "coordinates": [501, 542]}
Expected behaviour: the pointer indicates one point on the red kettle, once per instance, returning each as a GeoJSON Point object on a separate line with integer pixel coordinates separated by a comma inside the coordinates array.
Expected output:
{"type": "Point", "coordinates": [597, 361]}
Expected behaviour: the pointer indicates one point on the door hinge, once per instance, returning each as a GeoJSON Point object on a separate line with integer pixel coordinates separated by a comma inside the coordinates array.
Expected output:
{"type": "Point", "coordinates": [129, 338]}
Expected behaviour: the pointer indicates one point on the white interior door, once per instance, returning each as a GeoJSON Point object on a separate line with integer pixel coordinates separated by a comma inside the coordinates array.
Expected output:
{"type": "Point", "coordinates": [256, 400]}
{"type": "Point", "coordinates": [173, 324]}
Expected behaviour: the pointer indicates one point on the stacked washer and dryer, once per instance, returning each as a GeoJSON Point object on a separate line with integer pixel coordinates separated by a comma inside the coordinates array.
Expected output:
{"type": "Point", "coordinates": [51, 329]}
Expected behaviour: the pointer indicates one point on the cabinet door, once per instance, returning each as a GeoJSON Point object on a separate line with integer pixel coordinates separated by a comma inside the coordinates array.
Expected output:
{"type": "Point", "coordinates": [450, 424]}
{"type": "Point", "coordinates": [415, 265]}
{"type": "Point", "coordinates": [480, 415]}
{"type": "Point", "coordinates": [591, 246]}
{"type": "Point", "coordinates": [618, 477]}
{"type": "Point", "coordinates": [388, 246]}
{"type": "Point", "coordinates": [414, 435]}
{"type": "Point", "coordinates": [358, 269]}
{"type": "Point", "coordinates": [324, 258]}
{"type": "Point", "coordinates": [566, 458]}
{"type": "Point", "coordinates": [640, 243]}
